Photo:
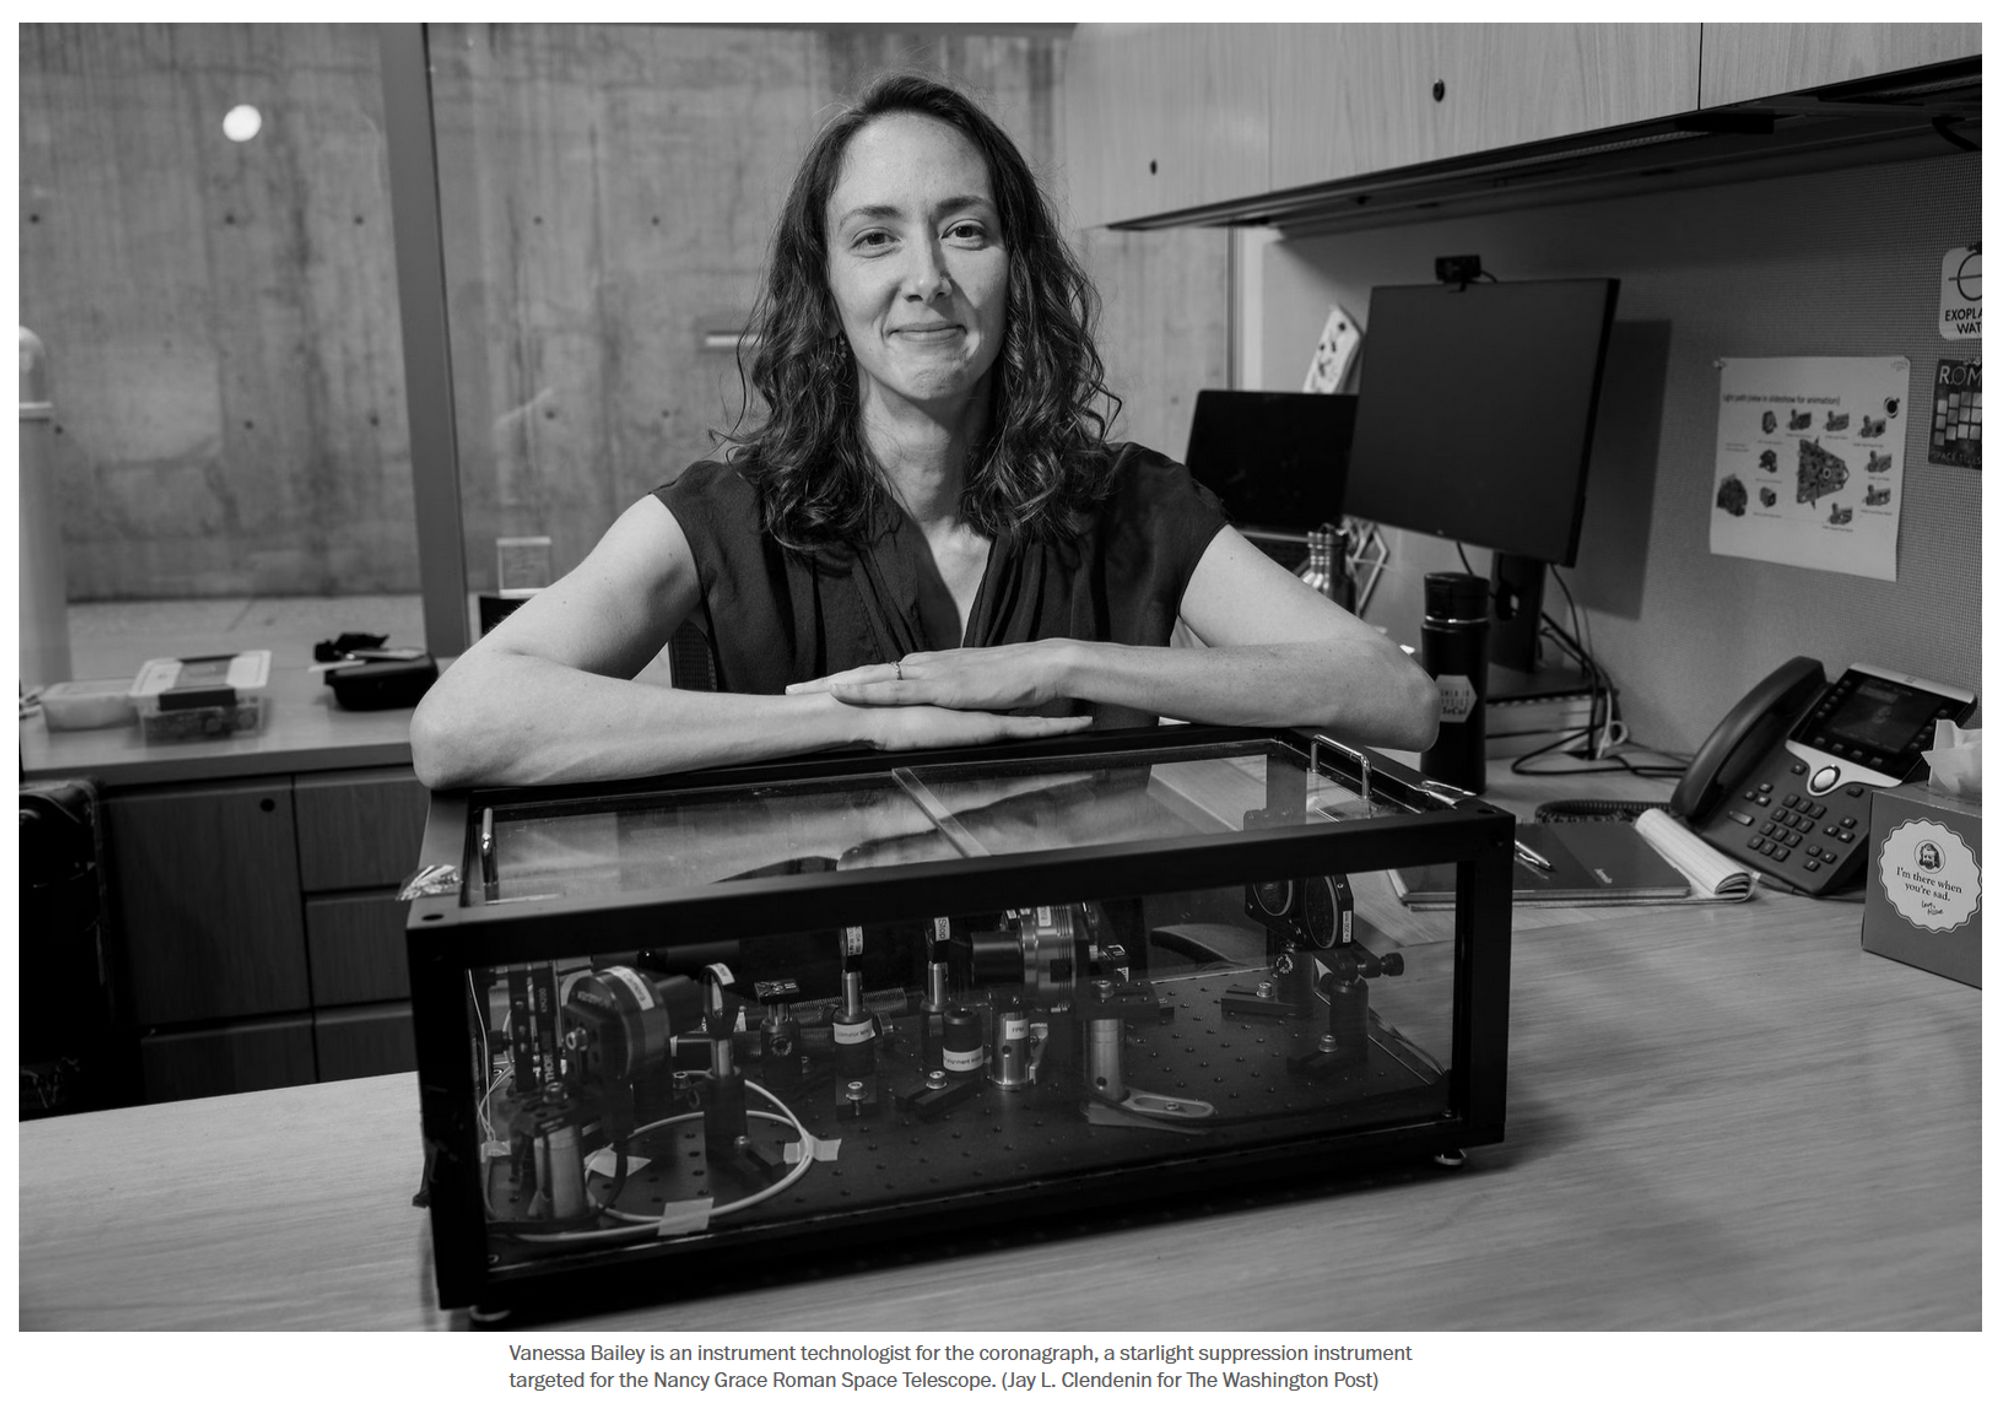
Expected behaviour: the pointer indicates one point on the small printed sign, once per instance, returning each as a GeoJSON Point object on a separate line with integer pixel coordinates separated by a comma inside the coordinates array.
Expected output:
{"type": "Point", "coordinates": [1956, 405]}
{"type": "Point", "coordinates": [1456, 693]}
{"type": "Point", "coordinates": [1958, 295]}
{"type": "Point", "coordinates": [1930, 875]}
{"type": "Point", "coordinates": [1809, 460]}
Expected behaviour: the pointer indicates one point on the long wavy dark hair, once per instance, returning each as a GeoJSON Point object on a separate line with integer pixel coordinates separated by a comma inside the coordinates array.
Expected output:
{"type": "Point", "coordinates": [1043, 463]}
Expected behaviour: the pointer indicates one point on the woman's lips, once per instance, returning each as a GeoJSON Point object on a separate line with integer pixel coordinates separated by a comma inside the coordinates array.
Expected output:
{"type": "Point", "coordinates": [930, 334]}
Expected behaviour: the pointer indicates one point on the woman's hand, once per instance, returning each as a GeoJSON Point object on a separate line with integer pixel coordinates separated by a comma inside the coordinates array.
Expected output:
{"type": "Point", "coordinates": [921, 726]}
{"type": "Point", "coordinates": [996, 677]}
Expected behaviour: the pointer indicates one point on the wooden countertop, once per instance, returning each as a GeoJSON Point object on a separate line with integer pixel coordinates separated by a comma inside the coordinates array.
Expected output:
{"type": "Point", "coordinates": [303, 732]}
{"type": "Point", "coordinates": [1719, 1117]}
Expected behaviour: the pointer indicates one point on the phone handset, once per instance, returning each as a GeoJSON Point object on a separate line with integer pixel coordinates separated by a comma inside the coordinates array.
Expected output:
{"type": "Point", "coordinates": [1747, 732]}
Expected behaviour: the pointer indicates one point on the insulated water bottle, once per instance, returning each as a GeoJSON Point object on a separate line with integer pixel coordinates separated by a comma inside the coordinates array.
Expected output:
{"type": "Point", "coordinates": [1454, 654]}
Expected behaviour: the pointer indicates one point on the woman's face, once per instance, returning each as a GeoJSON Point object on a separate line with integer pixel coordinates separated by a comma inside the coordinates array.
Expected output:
{"type": "Point", "coordinates": [915, 262]}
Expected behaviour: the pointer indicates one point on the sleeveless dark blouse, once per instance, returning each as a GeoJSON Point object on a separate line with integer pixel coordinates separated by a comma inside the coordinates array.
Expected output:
{"type": "Point", "coordinates": [775, 618]}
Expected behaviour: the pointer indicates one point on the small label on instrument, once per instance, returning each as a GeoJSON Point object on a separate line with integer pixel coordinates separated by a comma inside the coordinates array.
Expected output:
{"type": "Point", "coordinates": [850, 942]}
{"type": "Point", "coordinates": [685, 1218]}
{"type": "Point", "coordinates": [1929, 875]}
{"type": "Point", "coordinates": [853, 1032]}
{"type": "Point", "coordinates": [813, 1150]}
{"type": "Point", "coordinates": [1013, 1028]}
{"type": "Point", "coordinates": [961, 1062]}
{"type": "Point", "coordinates": [639, 987]}
{"type": "Point", "coordinates": [603, 1162]}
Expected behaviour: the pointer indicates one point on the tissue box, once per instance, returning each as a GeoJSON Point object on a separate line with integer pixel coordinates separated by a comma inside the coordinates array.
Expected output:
{"type": "Point", "coordinates": [1924, 899]}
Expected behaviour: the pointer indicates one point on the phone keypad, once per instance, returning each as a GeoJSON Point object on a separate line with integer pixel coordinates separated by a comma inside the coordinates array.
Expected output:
{"type": "Point", "coordinates": [1790, 832]}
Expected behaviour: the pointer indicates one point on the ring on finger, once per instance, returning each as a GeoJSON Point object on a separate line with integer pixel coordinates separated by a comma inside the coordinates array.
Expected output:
{"type": "Point", "coordinates": [899, 671]}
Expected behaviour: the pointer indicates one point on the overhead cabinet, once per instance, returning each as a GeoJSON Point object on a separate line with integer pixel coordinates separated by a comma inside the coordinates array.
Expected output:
{"type": "Point", "coordinates": [1350, 99]}
{"type": "Point", "coordinates": [1205, 123]}
{"type": "Point", "coordinates": [1165, 117]}
{"type": "Point", "coordinates": [1744, 62]}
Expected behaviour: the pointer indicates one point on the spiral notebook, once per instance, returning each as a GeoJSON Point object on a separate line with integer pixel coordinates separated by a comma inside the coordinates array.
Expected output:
{"type": "Point", "coordinates": [1655, 860]}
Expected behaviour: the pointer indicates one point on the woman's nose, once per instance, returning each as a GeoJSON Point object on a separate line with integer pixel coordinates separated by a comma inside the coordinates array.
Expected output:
{"type": "Point", "coordinates": [926, 277]}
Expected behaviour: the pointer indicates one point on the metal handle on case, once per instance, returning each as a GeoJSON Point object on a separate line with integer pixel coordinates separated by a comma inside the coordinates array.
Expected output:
{"type": "Point", "coordinates": [1360, 757]}
{"type": "Point", "coordinates": [488, 863]}
{"type": "Point", "coordinates": [1443, 791]}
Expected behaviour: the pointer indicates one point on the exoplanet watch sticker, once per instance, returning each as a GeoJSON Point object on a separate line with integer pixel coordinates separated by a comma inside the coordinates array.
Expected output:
{"type": "Point", "coordinates": [1809, 458]}
{"type": "Point", "coordinates": [1958, 294]}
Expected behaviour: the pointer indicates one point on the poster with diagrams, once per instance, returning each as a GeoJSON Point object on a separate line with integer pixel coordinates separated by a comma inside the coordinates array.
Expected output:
{"type": "Point", "coordinates": [1809, 462]}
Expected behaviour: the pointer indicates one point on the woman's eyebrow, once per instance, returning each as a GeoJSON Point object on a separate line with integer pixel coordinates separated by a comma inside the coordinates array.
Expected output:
{"type": "Point", "coordinates": [951, 205]}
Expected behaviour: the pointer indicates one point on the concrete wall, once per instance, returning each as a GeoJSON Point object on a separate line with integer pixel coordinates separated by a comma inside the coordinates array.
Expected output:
{"type": "Point", "coordinates": [220, 318]}
{"type": "Point", "coordinates": [222, 322]}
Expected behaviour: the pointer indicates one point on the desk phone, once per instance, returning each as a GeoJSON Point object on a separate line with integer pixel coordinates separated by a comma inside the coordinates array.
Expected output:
{"type": "Point", "coordinates": [1785, 780]}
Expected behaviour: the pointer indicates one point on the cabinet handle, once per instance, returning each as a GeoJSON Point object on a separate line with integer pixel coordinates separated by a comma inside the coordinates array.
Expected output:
{"type": "Point", "coordinates": [1437, 91]}
{"type": "Point", "coordinates": [267, 804]}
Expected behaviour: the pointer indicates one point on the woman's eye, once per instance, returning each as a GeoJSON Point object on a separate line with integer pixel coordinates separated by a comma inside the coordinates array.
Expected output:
{"type": "Point", "coordinates": [871, 239]}
{"type": "Point", "coordinates": [967, 230]}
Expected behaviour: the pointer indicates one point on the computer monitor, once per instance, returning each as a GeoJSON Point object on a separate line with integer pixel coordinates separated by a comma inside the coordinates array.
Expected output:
{"type": "Point", "coordinates": [1477, 406]}
{"type": "Point", "coordinates": [1276, 459]}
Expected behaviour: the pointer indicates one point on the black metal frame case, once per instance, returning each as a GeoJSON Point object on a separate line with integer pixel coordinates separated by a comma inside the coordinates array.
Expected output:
{"type": "Point", "coordinates": [462, 941]}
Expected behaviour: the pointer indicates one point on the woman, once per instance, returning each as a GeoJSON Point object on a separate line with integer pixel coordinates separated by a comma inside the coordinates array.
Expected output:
{"type": "Point", "coordinates": [927, 541]}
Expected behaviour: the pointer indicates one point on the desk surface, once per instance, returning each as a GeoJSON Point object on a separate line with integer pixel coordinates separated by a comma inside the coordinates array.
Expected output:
{"type": "Point", "coordinates": [303, 732]}
{"type": "Point", "coordinates": [1719, 1116]}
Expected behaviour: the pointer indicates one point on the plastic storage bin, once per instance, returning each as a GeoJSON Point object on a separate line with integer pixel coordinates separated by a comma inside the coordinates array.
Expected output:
{"type": "Point", "coordinates": [206, 696]}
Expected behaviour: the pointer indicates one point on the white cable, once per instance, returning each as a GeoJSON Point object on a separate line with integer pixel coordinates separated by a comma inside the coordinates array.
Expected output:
{"type": "Point", "coordinates": [642, 1224]}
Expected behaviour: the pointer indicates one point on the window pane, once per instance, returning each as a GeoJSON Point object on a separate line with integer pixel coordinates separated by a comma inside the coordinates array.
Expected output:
{"type": "Point", "coordinates": [206, 256]}
{"type": "Point", "coordinates": [607, 193]}
{"type": "Point", "coordinates": [608, 196]}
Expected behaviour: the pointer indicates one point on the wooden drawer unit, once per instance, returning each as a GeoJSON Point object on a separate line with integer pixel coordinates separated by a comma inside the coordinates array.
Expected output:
{"type": "Point", "coordinates": [365, 1040]}
{"type": "Point", "coordinates": [246, 1055]}
{"type": "Point", "coordinates": [358, 830]}
{"type": "Point", "coordinates": [354, 947]}
{"type": "Point", "coordinates": [206, 892]}
{"type": "Point", "coordinates": [260, 928]}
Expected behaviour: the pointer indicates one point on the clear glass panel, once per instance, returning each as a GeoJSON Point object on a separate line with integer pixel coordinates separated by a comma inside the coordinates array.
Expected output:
{"type": "Point", "coordinates": [1000, 808]}
{"type": "Point", "coordinates": [206, 259]}
{"type": "Point", "coordinates": [702, 837]}
{"type": "Point", "coordinates": [630, 1099]}
{"type": "Point", "coordinates": [660, 841]}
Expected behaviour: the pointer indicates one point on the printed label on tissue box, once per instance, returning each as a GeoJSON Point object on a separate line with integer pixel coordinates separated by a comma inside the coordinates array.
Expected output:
{"type": "Point", "coordinates": [1929, 875]}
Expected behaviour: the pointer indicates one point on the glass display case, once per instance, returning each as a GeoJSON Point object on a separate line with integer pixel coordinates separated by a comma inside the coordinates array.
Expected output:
{"type": "Point", "coordinates": [905, 995]}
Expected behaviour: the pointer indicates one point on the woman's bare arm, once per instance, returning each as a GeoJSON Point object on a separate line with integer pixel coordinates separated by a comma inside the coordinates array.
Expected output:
{"type": "Point", "coordinates": [548, 695]}
{"type": "Point", "coordinates": [1280, 654]}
